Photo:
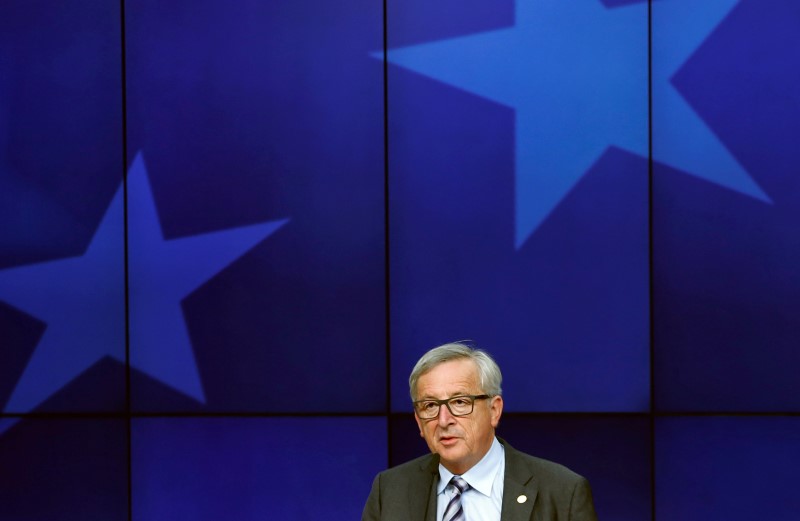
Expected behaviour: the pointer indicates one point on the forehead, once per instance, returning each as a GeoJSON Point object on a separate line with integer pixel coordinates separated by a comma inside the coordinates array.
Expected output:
{"type": "Point", "coordinates": [449, 378]}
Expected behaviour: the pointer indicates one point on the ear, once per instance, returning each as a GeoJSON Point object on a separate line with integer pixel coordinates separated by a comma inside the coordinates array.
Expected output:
{"type": "Point", "coordinates": [496, 410]}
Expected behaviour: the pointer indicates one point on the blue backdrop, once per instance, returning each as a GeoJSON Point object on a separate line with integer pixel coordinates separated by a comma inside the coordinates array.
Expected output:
{"type": "Point", "coordinates": [229, 229]}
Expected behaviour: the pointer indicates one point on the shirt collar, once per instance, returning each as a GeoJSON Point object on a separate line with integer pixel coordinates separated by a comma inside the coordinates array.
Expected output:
{"type": "Point", "coordinates": [480, 477]}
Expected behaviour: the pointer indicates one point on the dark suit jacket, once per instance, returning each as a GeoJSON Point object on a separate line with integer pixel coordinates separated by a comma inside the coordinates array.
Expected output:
{"type": "Point", "coordinates": [408, 492]}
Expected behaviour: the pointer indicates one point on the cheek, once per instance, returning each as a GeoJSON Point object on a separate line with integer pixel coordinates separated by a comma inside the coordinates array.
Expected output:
{"type": "Point", "coordinates": [469, 434]}
{"type": "Point", "coordinates": [430, 438]}
{"type": "Point", "coordinates": [427, 430]}
{"type": "Point", "coordinates": [473, 432]}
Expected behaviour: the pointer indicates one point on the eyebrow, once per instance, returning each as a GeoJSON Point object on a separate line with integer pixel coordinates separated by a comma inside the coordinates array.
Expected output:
{"type": "Point", "coordinates": [460, 393]}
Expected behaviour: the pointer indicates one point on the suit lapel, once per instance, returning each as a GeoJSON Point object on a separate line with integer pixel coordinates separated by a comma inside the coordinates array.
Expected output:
{"type": "Point", "coordinates": [519, 488]}
{"type": "Point", "coordinates": [422, 492]}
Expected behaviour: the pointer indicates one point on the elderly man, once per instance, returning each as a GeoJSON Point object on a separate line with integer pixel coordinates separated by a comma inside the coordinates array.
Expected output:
{"type": "Point", "coordinates": [471, 475]}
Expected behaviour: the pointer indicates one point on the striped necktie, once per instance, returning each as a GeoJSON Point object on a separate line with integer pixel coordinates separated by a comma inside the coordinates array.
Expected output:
{"type": "Point", "coordinates": [454, 510]}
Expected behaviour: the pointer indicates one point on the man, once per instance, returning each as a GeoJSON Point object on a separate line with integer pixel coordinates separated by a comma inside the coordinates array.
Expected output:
{"type": "Point", "coordinates": [471, 475]}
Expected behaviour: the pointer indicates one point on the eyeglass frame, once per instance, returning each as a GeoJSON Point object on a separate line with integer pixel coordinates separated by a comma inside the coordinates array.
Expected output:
{"type": "Point", "coordinates": [446, 403]}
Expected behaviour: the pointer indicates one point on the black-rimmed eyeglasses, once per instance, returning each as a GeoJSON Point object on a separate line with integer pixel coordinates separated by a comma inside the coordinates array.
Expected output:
{"type": "Point", "coordinates": [457, 405]}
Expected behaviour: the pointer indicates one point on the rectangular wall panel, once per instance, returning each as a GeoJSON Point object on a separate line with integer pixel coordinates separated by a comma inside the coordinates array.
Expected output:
{"type": "Point", "coordinates": [726, 244]}
{"type": "Point", "coordinates": [255, 143]}
{"type": "Point", "coordinates": [63, 469]}
{"type": "Point", "coordinates": [612, 452]}
{"type": "Point", "coordinates": [62, 279]}
{"type": "Point", "coordinates": [198, 469]}
{"type": "Point", "coordinates": [518, 196]}
{"type": "Point", "coordinates": [735, 468]}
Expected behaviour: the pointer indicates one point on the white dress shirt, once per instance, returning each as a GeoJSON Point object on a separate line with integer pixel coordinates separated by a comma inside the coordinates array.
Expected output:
{"type": "Point", "coordinates": [483, 500]}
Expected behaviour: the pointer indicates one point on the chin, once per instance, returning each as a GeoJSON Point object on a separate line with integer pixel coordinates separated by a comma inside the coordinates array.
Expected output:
{"type": "Point", "coordinates": [451, 454]}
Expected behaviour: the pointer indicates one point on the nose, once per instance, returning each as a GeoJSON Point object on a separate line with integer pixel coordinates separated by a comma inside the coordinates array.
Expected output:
{"type": "Point", "coordinates": [445, 418]}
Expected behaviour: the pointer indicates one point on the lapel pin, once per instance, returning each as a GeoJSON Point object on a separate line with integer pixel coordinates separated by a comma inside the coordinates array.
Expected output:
{"type": "Point", "coordinates": [523, 498]}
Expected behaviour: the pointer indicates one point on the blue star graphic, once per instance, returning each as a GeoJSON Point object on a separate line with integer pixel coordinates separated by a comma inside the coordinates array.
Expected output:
{"type": "Point", "coordinates": [576, 75]}
{"type": "Point", "coordinates": [682, 140]}
{"type": "Point", "coordinates": [82, 298]}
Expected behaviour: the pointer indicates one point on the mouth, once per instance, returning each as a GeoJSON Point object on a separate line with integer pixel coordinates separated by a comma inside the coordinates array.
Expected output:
{"type": "Point", "coordinates": [448, 441]}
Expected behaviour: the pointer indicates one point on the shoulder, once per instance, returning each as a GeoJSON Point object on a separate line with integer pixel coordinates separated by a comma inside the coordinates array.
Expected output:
{"type": "Point", "coordinates": [559, 491]}
{"type": "Point", "coordinates": [402, 490]}
{"type": "Point", "coordinates": [544, 471]}
{"type": "Point", "coordinates": [413, 469]}
{"type": "Point", "coordinates": [546, 468]}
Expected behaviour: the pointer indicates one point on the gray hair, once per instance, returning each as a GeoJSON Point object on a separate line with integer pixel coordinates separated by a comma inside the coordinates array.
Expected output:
{"type": "Point", "coordinates": [488, 370]}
